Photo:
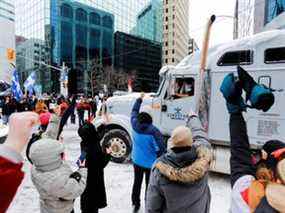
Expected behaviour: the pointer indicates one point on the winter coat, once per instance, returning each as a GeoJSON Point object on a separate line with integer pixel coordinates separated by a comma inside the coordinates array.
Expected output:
{"type": "Point", "coordinates": [94, 196]}
{"type": "Point", "coordinates": [11, 175]}
{"type": "Point", "coordinates": [179, 178]}
{"type": "Point", "coordinates": [55, 181]}
{"type": "Point", "coordinates": [8, 108]}
{"type": "Point", "coordinates": [147, 140]}
{"type": "Point", "coordinates": [243, 173]}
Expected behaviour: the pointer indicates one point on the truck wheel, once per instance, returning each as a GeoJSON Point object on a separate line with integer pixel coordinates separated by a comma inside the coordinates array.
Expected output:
{"type": "Point", "coordinates": [119, 140]}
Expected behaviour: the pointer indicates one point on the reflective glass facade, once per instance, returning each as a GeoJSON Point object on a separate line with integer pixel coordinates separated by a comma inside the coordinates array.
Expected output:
{"type": "Point", "coordinates": [7, 10]}
{"type": "Point", "coordinates": [273, 9]}
{"type": "Point", "coordinates": [143, 61]}
{"type": "Point", "coordinates": [76, 32]}
{"type": "Point", "coordinates": [149, 23]}
{"type": "Point", "coordinates": [81, 34]}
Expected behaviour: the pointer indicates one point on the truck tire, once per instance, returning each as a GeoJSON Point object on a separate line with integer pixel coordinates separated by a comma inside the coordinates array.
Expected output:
{"type": "Point", "coordinates": [121, 145]}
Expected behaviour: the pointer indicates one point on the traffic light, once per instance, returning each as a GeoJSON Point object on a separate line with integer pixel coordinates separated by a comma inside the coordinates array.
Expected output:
{"type": "Point", "coordinates": [11, 54]}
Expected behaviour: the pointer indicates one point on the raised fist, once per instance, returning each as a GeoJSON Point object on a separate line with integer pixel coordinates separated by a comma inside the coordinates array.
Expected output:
{"type": "Point", "coordinates": [20, 127]}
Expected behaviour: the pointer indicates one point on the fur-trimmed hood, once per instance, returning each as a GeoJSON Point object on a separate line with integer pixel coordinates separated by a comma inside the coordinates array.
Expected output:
{"type": "Point", "coordinates": [185, 166]}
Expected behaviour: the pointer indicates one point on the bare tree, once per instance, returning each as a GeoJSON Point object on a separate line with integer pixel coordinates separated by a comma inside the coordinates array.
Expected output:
{"type": "Point", "coordinates": [100, 77]}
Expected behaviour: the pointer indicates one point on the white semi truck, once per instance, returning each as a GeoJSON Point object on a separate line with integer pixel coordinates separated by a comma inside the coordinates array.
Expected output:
{"type": "Point", "coordinates": [262, 55]}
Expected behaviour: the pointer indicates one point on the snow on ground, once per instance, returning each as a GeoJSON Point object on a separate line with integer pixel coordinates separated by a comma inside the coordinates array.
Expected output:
{"type": "Point", "coordinates": [118, 177]}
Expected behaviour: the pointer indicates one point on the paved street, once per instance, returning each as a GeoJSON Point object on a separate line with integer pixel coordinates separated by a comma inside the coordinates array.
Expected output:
{"type": "Point", "coordinates": [118, 183]}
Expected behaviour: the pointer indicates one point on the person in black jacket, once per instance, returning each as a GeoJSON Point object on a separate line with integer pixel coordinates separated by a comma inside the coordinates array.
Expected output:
{"type": "Point", "coordinates": [8, 108]}
{"type": "Point", "coordinates": [94, 196]}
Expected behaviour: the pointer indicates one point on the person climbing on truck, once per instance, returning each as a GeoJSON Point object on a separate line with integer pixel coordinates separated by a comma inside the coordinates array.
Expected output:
{"type": "Point", "coordinates": [147, 146]}
{"type": "Point", "coordinates": [256, 187]}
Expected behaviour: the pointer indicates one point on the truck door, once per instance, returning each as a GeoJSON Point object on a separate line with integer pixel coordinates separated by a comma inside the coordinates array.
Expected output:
{"type": "Point", "coordinates": [177, 102]}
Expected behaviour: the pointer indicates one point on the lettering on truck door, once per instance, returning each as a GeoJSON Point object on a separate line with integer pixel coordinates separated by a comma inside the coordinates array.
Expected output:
{"type": "Point", "coordinates": [176, 103]}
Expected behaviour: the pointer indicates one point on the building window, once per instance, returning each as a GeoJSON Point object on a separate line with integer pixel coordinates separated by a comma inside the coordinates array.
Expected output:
{"type": "Point", "coordinates": [273, 9]}
{"type": "Point", "coordinates": [166, 18]}
{"type": "Point", "coordinates": [173, 8]}
{"type": "Point", "coordinates": [173, 60]}
{"type": "Point", "coordinates": [95, 18]}
{"type": "Point", "coordinates": [173, 51]}
{"type": "Point", "coordinates": [81, 15]}
{"type": "Point", "coordinates": [166, 27]}
{"type": "Point", "coordinates": [173, 16]}
{"type": "Point", "coordinates": [166, 1]}
{"type": "Point", "coordinates": [107, 22]}
{"type": "Point", "coordinates": [166, 10]}
{"type": "Point", "coordinates": [166, 43]}
{"type": "Point", "coordinates": [173, 25]}
{"type": "Point", "coordinates": [173, 42]}
{"type": "Point", "coordinates": [274, 55]}
{"type": "Point", "coordinates": [243, 57]}
{"type": "Point", "coordinates": [166, 60]}
{"type": "Point", "coordinates": [166, 52]}
{"type": "Point", "coordinates": [66, 11]}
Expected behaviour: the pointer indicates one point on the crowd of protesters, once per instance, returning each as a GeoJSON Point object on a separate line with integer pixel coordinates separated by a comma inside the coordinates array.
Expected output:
{"type": "Point", "coordinates": [176, 178]}
{"type": "Point", "coordinates": [45, 104]}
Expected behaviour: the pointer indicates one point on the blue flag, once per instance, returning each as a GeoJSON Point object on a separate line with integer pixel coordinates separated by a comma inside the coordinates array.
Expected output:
{"type": "Point", "coordinates": [16, 89]}
{"type": "Point", "coordinates": [30, 82]}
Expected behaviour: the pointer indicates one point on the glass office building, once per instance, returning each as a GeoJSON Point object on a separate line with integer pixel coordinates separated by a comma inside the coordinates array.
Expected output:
{"type": "Point", "coordinates": [149, 23]}
{"type": "Point", "coordinates": [80, 34]}
{"type": "Point", "coordinates": [76, 32]}
{"type": "Point", "coordinates": [273, 9]}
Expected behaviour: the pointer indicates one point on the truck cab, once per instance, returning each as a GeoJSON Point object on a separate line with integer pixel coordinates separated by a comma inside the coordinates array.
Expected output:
{"type": "Point", "coordinates": [262, 55]}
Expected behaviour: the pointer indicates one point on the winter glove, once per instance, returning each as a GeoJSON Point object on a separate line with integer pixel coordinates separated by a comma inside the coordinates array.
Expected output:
{"type": "Point", "coordinates": [260, 97]}
{"type": "Point", "coordinates": [81, 158]}
{"type": "Point", "coordinates": [232, 92]}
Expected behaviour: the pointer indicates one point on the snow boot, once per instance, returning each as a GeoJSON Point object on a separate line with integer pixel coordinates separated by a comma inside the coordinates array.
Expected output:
{"type": "Point", "coordinates": [260, 97]}
{"type": "Point", "coordinates": [232, 92]}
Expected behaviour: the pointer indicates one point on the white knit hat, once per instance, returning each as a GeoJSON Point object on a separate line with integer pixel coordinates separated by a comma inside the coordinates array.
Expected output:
{"type": "Point", "coordinates": [46, 154]}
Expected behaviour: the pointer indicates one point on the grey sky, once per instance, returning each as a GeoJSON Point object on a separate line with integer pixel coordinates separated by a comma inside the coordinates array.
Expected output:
{"type": "Point", "coordinates": [201, 10]}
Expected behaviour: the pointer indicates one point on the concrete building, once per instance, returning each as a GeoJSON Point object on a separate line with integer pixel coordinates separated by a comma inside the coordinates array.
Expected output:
{"type": "Point", "coordinates": [143, 60]}
{"type": "Point", "coordinates": [149, 23]}
{"type": "Point", "coordinates": [7, 38]}
{"type": "Point", "coordinates": [175, 30]}
{"type": "Point", "coordinates": [30, 55]}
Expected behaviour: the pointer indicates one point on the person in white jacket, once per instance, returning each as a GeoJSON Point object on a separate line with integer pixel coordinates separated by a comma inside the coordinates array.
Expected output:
{"type": "Point", "coordinates": [54, 179]}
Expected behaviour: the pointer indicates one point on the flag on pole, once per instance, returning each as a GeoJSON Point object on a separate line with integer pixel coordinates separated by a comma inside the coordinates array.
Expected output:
{"type": "Point", "coordinates": [16, 89]}
{"type": "Point", "coordinates": [30, 82]}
